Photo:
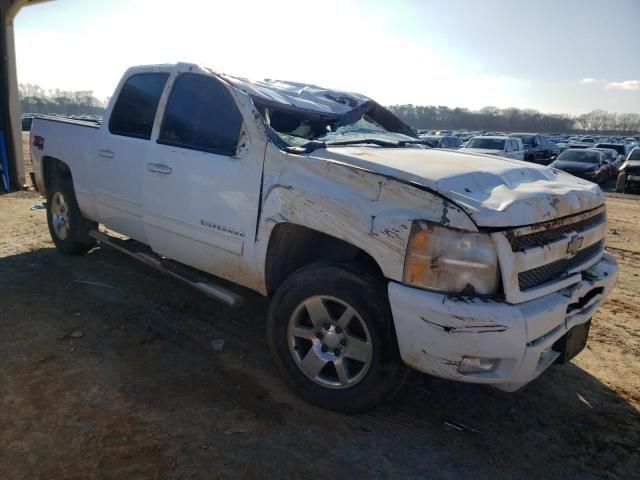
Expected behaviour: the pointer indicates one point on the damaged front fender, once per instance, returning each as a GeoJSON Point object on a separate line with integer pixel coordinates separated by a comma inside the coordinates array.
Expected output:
{"type": "Point", "coordinates": [368, 210]}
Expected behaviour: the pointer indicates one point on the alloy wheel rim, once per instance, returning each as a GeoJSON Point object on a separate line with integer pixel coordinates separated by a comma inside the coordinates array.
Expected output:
{"type": "Point", "coordinates": [60, 215]}
{"type": "Point", "coordinates": [330, 342]}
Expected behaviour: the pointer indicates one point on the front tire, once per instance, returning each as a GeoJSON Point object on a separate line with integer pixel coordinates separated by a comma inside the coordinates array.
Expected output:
{"type": "Point", "coordinates": [68, 228]}
{"type": "Point", "coordinates": [621, 183]}
{"type": "Point", "coordinates": [331, 336]}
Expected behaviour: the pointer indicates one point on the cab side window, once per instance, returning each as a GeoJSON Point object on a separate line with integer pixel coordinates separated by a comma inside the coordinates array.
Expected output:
{"type": "Point", "coordinates": [135, 109]}
{"type": "Point", "coordinates": [201, 115]}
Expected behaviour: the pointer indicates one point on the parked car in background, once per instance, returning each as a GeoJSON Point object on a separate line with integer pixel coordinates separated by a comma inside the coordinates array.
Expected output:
{"type": "Point", "coordinates": [629, 176]}
{"type": "Point", "coordinates": [589, 164]}
{"type": "Point", "coordinates": [437, 141]}
{"type": "Point", "coordinates": [612, 157]}
{"type": "Point", "coordinates": [493, 145]}
{"type": "Point", "coordinates": [537, 148]}
{"type": "Point", "coordinates": [559, 142]}
{"type": "Point", "coordinates": [622, 149]}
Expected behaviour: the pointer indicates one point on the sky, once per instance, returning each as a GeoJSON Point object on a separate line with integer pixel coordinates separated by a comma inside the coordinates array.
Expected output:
{"type": "Point", "coordinates": [558, 56]}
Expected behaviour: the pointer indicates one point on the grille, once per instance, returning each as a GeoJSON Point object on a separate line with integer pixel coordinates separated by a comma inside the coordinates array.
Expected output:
{"type": "Point", "coordinates": [555, 270]}
{"type": "Point", "coordinates": [538, 239]}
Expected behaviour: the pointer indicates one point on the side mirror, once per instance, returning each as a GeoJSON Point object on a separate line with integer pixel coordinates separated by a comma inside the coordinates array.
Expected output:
{"type": "Point", "coordinates": [553, 157]}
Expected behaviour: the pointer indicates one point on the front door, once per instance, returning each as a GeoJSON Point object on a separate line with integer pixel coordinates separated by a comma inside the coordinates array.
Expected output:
{"type": "Point", "coordinates": [201, 185]}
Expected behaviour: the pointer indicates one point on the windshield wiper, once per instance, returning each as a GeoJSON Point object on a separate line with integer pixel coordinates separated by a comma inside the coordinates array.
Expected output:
{"type": "Point", "coordinates": [314, 144]}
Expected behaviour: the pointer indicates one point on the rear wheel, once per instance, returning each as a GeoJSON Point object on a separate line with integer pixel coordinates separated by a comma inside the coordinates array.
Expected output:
{"type": "Point", "coordinates": [621, 183]}
{"type": "Point", "coordinates": [331, 335]}
{"type": "Point", "coordinates": [68, 228]}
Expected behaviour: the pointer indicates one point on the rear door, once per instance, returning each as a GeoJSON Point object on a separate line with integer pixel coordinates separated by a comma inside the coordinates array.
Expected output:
{"type": "Point", "coordinates": [119, 157]}
{"type": "Point", "coordinates": [201, 182]}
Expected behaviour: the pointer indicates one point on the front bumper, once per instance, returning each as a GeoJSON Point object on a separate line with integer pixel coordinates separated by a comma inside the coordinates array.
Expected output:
{"type": "Point", "coordinates": [435, 330]}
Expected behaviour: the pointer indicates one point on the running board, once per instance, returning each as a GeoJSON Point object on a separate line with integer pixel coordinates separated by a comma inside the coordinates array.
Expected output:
{"type": "Point", "coordinates": [192, 277]}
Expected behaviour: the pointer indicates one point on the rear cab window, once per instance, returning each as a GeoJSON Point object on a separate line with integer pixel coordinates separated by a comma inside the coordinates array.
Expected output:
{"type": "Point", "coordinates": [201, 115]}
{"type": "Point", "coordinates": [135, 110]}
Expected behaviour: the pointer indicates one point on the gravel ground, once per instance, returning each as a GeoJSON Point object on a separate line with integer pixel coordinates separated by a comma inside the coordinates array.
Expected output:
{"type": "Point", "coordinates": [107, 371]}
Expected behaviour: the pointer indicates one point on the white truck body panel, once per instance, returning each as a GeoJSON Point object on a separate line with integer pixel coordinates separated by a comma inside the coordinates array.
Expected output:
{"type": "Point", "coordinates": [217, 213]}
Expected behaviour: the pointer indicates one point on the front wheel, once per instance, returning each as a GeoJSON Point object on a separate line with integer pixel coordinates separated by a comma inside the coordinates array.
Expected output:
{"type": "Point", "coordinates": [331, 335]}
{"type": "Point", "coordinates": [68, 228]}
{"type": "Point", "coordinates": [621, 183]}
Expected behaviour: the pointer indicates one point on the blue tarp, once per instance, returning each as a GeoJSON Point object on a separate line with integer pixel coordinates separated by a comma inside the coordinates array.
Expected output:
{"type": "Point", "coordinates": [4, 163]}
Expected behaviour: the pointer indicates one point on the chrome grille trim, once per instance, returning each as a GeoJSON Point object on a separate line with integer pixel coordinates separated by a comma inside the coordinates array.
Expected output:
{"type": "Point", "coordinates": [541, 238]}
{"type": "Point", "coordinates": [557, 270]}
{"type": "Point", "coordinates": [515, 234]}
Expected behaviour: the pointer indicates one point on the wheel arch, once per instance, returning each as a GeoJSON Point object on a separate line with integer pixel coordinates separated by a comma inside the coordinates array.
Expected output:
{"type": "Point", "coordinates": [54, 168]}
{"type": "Point", "coordinates": [293, 246]}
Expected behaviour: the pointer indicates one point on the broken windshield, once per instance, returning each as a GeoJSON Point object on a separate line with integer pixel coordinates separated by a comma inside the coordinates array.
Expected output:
{"type": "Point", "coordinates": [297, 127]}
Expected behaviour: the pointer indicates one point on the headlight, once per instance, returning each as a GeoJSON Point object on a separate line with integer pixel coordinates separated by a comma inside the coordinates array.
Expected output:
{"type": "Point", "coordinates": [451, 261]}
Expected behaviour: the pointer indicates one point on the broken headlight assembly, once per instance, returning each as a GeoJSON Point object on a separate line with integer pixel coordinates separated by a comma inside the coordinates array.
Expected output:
{"type": "Point", "coordinates": [451, 261]}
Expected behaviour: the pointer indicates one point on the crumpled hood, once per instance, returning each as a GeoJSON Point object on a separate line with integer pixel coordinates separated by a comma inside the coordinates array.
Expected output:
{"type": "Point", "coordinates": [494, 191]}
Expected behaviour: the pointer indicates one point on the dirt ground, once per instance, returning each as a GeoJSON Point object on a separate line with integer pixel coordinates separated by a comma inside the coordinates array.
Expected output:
{"type": "Point", "coordinates": [107, 371]}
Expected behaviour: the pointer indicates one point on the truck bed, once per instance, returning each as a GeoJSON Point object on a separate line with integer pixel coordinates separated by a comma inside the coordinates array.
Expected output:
{"type": "Point", "coordinates": [72, 140]}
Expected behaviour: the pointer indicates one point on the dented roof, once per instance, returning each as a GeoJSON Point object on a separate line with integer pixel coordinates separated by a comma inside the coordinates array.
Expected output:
{"type": "Point", "coordinates": [311, 98]}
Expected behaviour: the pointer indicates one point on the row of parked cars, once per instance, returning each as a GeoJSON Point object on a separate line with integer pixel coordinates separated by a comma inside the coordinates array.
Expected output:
{"type": "Point", "coordinates": [519, 146]}
{"type": "Point", "coordinates": [598, 159]}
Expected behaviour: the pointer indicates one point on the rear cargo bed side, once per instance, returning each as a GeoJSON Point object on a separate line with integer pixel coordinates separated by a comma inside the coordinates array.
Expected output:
{"type": "Point", "coordinates": [73, 142]}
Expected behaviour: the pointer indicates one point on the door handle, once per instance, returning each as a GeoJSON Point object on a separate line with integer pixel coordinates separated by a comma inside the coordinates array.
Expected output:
{"type": "Point", "coordinates": [104, 153]}
{"type": "Point", "coordinates": [159, 168]}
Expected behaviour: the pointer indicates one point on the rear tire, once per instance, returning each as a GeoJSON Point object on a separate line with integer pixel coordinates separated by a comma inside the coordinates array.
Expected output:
{"type": "Point", "coordinates": [68, 228]}
{"type": "Point", "coordinates": [331, 336]}
{"type": "Point", "coordinates": [621, 183]}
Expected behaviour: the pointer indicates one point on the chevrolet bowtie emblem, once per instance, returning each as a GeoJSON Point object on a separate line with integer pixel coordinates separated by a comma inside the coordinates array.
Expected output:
{"type": "Point", "coordinates": [575, 244]}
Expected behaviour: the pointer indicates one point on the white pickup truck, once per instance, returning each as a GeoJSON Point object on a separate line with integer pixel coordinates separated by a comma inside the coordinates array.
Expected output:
{"type": "Point", "coordinates": [376, 251]}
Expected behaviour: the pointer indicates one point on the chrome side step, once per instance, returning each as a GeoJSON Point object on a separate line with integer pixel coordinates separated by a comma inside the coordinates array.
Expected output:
{"type": "Point", "coordinates": [192, 277]}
